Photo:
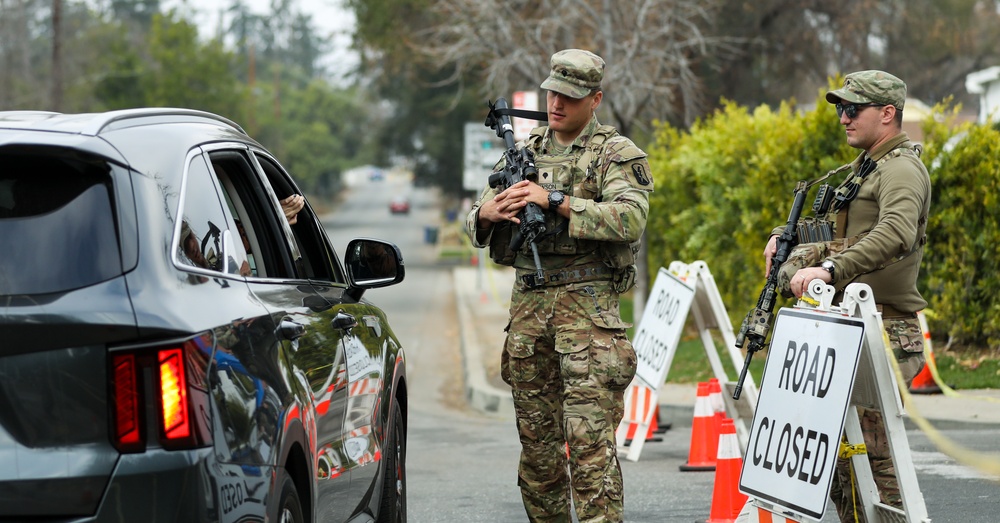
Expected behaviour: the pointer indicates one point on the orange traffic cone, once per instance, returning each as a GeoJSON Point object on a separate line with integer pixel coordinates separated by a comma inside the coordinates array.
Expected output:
{"type": "Point", "coordinates": [727, 500]}
{"type": "Point", "coordinates": [716, 401]}
{"type": "Point", "coordinates": [923, 382]}
{"type": "Point", "coordinates": [704, 434]}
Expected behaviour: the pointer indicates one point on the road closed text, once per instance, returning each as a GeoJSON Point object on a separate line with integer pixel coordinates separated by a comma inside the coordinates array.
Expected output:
{"type": "Point", "coordinates": [796, 451]}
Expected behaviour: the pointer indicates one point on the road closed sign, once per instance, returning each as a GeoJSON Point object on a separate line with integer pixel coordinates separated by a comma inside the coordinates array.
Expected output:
{"type": "Point", "coordinates": [804, 394]}
{"type": "Point", "coordinates": [660, 328]}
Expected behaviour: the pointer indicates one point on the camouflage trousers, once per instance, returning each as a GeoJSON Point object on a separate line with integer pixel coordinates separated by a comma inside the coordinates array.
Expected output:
{"type": "Point", "coordinates": [568, 362]}
{"type": "Point", "coordinates": [906, 339]}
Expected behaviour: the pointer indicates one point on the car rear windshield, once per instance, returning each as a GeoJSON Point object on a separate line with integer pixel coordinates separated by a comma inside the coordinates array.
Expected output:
{"type": "Point", "coordinates": [57, 223]}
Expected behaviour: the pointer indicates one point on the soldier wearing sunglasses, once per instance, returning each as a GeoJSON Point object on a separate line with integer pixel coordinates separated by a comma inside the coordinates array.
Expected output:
{"type": "Point", "coordinates": [880, 214]}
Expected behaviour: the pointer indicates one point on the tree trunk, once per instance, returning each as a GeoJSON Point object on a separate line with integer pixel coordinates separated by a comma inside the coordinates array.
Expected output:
{"type": "Point", "coordinates": [56, 92]}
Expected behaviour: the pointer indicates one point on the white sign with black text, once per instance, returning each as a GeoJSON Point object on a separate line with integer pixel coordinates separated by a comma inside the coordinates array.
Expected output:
{"type": "Point", "coordinates": [804, 395]}
{"type": "Point", "coordinates": [660, 328]}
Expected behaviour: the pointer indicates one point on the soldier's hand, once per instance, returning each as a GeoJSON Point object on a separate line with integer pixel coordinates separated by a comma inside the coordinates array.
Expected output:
{"type": "Point", "coordinates": [506, 205]}
{"type": "Point", "coordinates": [769, 251]}
{"type": "Point", "coordinates": [800, 281]}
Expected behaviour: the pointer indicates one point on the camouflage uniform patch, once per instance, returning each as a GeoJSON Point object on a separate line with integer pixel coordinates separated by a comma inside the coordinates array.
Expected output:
{"type": "Point", "coordinates": [568, 362]}
{"type": "Point", "coordinates": [906, 340]}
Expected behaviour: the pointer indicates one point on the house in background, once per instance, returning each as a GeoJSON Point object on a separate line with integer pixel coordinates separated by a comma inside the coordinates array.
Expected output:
{"type": "Point", "coordinates": [986, 83]}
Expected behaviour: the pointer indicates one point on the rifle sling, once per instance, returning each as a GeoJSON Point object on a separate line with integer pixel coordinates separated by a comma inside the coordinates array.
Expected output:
{"type": "Point", "coordinates": [522, 113]}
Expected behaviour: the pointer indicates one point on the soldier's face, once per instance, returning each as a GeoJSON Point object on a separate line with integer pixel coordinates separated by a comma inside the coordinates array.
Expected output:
{"type": "Point", "coordinates": [568, 116]}
{"type": "Point", "coordinates": [865, 130]}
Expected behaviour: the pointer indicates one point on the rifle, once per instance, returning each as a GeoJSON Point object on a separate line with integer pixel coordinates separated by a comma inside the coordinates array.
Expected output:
{"type": "Point", "coordinates": [757, 323]}
{"type": "Point", "coordinates": [519, 165]}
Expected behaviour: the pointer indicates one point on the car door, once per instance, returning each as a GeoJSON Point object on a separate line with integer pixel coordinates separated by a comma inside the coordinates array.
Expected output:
{"type": "Point", "coordinates": [245, 380]}
{"type": "Point", "coordinates": [308, 331]}
{"type": "Point", "coordinates": [360, 333]}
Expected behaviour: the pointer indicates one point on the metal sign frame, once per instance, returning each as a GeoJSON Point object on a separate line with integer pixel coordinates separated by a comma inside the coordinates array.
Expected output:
{"type": "Point", "coordinates": [874, 386]}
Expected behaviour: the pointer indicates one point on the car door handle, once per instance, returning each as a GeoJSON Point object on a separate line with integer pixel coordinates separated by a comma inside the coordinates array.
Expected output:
{"type": "Point", "coordinates": [344, 321]}
{"type": "Point", "coordinates": [291, 331]}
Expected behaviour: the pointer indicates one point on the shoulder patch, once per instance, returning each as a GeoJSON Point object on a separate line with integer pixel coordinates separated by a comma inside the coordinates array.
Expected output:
{"type": "Point", "coordinates": [641, 173]}
{"type": "Point", "coordinates": [621, 149]}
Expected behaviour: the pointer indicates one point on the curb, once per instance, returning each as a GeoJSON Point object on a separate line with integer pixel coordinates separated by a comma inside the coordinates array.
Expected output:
{"type": "Point", "coordinates": [480, 394]}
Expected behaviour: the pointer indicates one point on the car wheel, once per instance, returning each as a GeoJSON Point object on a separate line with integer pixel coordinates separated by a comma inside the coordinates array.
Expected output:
{"type": "Point", "coordinates": [289, 507]}
{"type": "Point", "coordinates": [393, 508]}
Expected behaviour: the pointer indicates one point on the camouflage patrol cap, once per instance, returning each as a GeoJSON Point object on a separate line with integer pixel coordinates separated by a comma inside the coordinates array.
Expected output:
{"type": "Point", "coordinates": [864, 87]}
{"type": "Point", "coordinates": [575, 73]}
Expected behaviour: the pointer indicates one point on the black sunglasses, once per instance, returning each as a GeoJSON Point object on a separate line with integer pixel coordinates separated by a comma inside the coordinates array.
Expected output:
{"type": "Point", "coordinates": [852, 109]}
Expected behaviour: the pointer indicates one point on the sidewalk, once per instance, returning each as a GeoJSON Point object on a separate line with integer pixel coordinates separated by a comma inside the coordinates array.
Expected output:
{"type": "Point", "coordinates": [483, 296]}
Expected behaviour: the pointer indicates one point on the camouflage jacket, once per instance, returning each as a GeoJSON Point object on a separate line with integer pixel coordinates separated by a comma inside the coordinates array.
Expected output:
{"type": "Point", "coordinates": [608, 195]}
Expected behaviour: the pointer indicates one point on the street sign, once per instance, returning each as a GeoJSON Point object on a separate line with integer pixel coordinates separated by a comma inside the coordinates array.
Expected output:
{"type": "Point", "coordinates": [804, 396]}
{"type": "Point", "coordinates": [483, 150]}
{"type": "Point", "coordinates": [660, 328]}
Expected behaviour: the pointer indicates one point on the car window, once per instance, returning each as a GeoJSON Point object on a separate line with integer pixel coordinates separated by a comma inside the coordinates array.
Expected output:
{"type": "Point", "coordinates": [207, 240]}
{"type": "Point", "coordinates": [253, 207]}
{"type": "Point", "coordinates": [317, 261]}
{"type": "Point", "coordinates": [58, 221]}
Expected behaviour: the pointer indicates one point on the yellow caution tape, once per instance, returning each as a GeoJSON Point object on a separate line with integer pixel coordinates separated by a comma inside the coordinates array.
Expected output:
{"type": "Point", "coordinates": [988, 463]}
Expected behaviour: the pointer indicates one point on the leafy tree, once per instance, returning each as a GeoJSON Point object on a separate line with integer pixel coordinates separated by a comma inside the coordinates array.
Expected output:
{"type": "Point", "coordinates": [181, 72]}
{"type": "Point", "coordinates": [321, 132]}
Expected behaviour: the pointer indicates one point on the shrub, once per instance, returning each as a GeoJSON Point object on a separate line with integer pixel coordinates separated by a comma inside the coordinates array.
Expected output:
{"type": "Point", "coordinates": [961, 266]}
{"type": "Point", "coordinates": [724, 184]}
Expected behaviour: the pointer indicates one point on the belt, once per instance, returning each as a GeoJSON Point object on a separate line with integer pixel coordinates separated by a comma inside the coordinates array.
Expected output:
{"type": "Point", "coordinates": [565, 276]}
{"type": "Point", "coordinates": [888, 311]}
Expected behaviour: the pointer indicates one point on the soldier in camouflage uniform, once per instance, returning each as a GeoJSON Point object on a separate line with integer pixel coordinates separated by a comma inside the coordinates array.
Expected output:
{"type": "Point", "coordinates": [566, 356]}
{"type": "Point", "coordinates": [879, 240]}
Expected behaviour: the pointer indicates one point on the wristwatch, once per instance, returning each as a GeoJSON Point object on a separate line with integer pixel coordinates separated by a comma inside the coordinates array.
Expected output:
{"type": "Point", "coordinates": [555, 199]}
{"type": "Point", "coordinates": [828, 265]}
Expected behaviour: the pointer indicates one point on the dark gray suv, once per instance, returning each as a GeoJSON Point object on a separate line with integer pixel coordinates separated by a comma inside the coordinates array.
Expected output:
{"type": "Point", "coordinates": [174, 346]}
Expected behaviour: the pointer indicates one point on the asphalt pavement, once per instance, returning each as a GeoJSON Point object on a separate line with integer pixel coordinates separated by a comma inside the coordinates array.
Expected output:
{"type": "Point", "coordinates": [483, 296]}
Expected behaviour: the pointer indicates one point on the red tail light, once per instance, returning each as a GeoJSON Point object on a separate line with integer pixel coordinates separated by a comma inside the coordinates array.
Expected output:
{"type": "Point", "coordinates": [173, 395]}
{"type": "Point", "coordinates": [173, 380]}
{"type": "Point", "coordinates": [127, 414]}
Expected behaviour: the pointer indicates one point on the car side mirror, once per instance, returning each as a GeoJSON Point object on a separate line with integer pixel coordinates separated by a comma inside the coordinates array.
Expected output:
{"type": "Point", "coordinates": [371, 264]}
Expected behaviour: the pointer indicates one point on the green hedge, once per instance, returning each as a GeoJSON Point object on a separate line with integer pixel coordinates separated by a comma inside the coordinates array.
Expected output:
{"type": "Point", "coordinates": [722, 185]}
{"type": "Point", "coordinates": [961, 267]}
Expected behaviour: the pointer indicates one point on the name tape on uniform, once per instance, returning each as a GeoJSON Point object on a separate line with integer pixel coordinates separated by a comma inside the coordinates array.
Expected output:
{"type": "Point", "coordinates": [660, 328]}
{"type": "Point", "coordinates": [804, 395]}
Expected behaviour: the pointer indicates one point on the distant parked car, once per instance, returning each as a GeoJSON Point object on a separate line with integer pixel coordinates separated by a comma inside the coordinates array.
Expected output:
{"type": "Point", "coordinates": [173, 349]}
{"type": "Point", "coordinates": [399, 205]}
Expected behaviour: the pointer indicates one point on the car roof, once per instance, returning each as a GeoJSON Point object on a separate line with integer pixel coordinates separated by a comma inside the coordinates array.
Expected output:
{"type": "Point", "coordinates": [93, 124]}
{"type": "Point", "coordinates": [149, 140]}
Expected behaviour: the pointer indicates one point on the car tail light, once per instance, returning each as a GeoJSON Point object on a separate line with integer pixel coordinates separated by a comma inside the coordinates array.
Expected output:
{"type": "Point", "coordinates": [168, 382]}
{"type": "Point", "coordinates": [173, 395]}
{"type": "Point", "coordinates": [127, 417]}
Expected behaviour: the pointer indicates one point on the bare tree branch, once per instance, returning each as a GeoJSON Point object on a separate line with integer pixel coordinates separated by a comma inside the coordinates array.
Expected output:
{"type": "Point", "coordinates": [652, 48]}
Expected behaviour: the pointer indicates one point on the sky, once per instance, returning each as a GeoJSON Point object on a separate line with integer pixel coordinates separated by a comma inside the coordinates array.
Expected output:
{"type": "Point", "coordinates": [330, 18]}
